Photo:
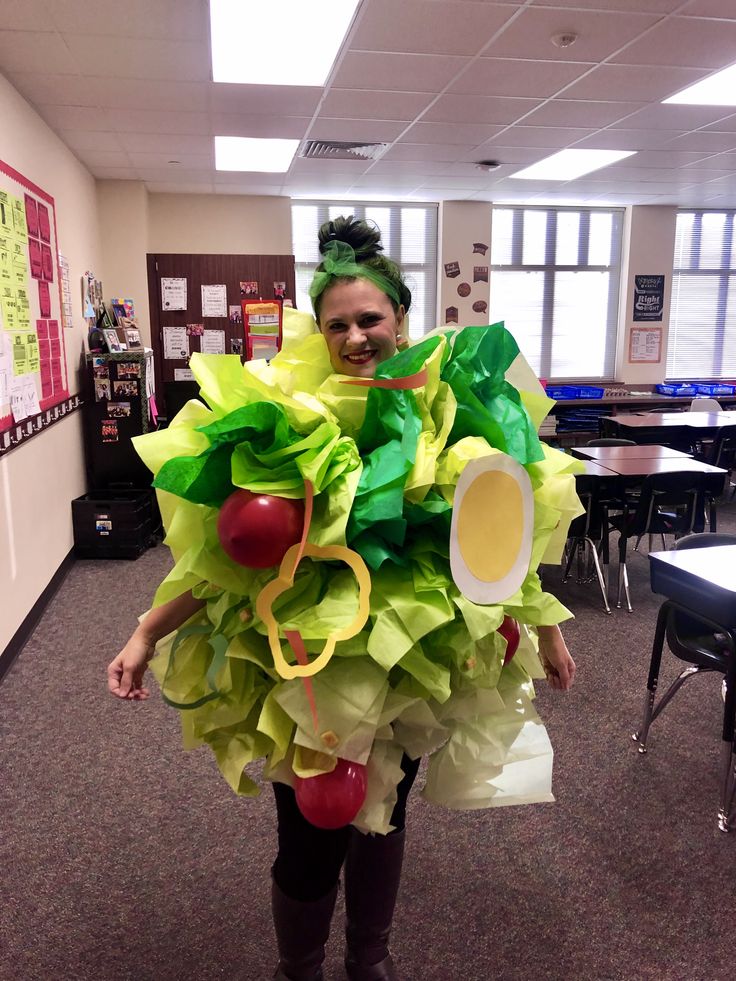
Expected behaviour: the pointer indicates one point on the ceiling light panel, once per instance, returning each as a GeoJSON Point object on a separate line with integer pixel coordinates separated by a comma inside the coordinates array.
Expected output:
{"type": "Point", "coordinates": [716, 90]}
{"type": "Point", "coordinates": [281, 42]}
{"type": "Point", "coordinates": [567, 165]}
{"type": "Point", "coordinates": [247, 154]}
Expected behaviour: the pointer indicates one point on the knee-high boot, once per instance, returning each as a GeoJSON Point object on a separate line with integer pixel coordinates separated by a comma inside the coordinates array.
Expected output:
{"type": "Point", "coordinates": [302, 929]}
{"type": "Point", "coordinates": [372, 875]}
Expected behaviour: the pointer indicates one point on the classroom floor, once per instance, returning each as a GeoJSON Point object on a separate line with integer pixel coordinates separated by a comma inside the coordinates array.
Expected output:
{"type": "Point", "coordinates": [125, 859]}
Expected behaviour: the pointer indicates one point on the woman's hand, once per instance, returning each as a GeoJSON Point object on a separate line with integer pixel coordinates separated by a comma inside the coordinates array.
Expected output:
{"type": "Point", "coordinates": [556, 660]}
{"type": "Point", "coordinates": [125, 672]}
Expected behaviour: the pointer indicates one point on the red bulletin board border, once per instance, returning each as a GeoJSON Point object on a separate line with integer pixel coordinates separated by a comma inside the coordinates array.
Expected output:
{"type": "Point", "coordinates": [7, 422]}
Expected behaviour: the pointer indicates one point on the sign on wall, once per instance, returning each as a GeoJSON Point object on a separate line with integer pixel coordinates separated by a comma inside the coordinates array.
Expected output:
{"type": "Point", "coordinates": [648, 298]}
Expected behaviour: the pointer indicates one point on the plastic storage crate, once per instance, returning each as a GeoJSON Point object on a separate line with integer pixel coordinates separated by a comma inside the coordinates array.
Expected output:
{"type": "Point", "coordinates": [113, 524]}
{"type": "Point", "coordinates": [677, 389]}
{"type": "Point", "coordinates": [704, 389]}
{"type": "Point", "coordinates": [562, 392]}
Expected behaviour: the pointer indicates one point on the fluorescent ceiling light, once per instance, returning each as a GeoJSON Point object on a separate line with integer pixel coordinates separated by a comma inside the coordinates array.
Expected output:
{"type": "Point", "coordinates": [277, 42]}
{"type": "Point", "coordinates": [569, 164]}
{"type": "Point", "coordinates": [716, 90]}
{"type": "Point", "coordinates": [244, 153]}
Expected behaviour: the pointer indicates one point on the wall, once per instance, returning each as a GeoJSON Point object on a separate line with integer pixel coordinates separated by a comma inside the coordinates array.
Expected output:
{"type": "Point", "coordinates": [40, 478]}
{"type": "Point", "coordinates": [464, 244]}
{"type": "Point", "coordinates": [123, 209]}
{"type": "Point", "coordinates": [649, 248]}
{"type": "Point", "coordinates": [225, 223]}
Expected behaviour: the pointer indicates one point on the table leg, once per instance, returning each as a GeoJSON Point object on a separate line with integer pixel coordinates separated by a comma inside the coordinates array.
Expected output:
{"type": "Point", "coordinates": [654, 665]}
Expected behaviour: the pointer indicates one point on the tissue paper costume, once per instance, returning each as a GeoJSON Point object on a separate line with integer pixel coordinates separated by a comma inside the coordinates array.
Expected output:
{"type": "Point", "coordinates": [361, 645]}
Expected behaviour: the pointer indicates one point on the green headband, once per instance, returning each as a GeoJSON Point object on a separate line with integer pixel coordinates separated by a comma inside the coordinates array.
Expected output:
{"type": "Point", "coordinates": [339, 263]}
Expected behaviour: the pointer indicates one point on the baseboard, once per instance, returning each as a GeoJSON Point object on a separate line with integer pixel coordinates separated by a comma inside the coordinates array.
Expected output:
{"type": "Point", "coordinates": [30, 623]}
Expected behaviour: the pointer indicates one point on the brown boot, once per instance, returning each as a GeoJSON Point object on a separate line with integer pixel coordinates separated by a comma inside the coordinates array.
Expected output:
{"type": "Point", "coordinates": [372, 875]}
{"type": "Point", "coordinates": [302, 930]}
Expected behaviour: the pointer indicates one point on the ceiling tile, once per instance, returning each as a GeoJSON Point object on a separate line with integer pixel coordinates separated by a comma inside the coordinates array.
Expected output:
{"type": "Point", "coordinates": [289, 100]}
{"type": "Point", "coordinates": [397, 72]}
{"type": "Point", "coordinates": [471, 133]}
{"type": "Point", "coordinates": [26, 15]}
{"type": "Point", "coordinates": [361, 104]}
{"type": "Point", "coordinates": [671, 117]}
{"type": "Point", "coordinates": [630, 139]}
{"type": "Point", "coordinates": [569, 112]}
{"type": "Point", "coordinates": [505, 154]}
{"type": "Point", "coordinates": [187, 61]}
{"type": "Point", "coordinates": [105, 158]}
{"type": "Point", "coordinates": [75, 117]}
{"type": "Point", "coordinates": [702, 141]}
{"type": "Point", "coordinates": [36, 51]}
{"type": "Point", "coordinates": [417, 167]}
{"type": "Point", "coordinates": [56, 90]}
{"type": "Point", "coordinates": [259, 127]}
{"type": "Point", "coordinates": [134, 93]}
{"type": "Point", "coordinates": [114, 173]}
{"type": "Point", "coordinates": [415, 26]}
{"type": "Point", "coordinates": [662, 158]}
{"type": "Point", "coordinates": [157, 122]}
{"type": "Point", "coordinates": [623, 6]}
{"type": "Point", "coordinates": [717, 161]}
{"type": "Point", "coordinates": [541, 136]}
{"type": "Point", "coordinates": [169, 175]}
{"type": "Point", "coordinates": [514, 77]}
{"type": "Point", "coordinates": [248, 177]}
{"type": "Point", "coordinates": [80, 140]}
{"type": "Point", "coordinates": [415, 151]}
{"type": "Point", "coordinates": [195, 187]}
{"type": "Point", "coordinates": [368, 130]}
{"type": "Point", "coordinates": [311, 167]}
{"type": "Point", "coordinates": [599, 34]}
{"type": "Point", "coordinates": [726, 125]}
{"type": "Point", "coordinates": [164, 19]}
{"type": "Point", "coordinates": [640, 84]}
{"type": "Point", "coordinates": [685, 41]}
{"type": "Point", "coordinates": [171, 143]}
{"type": "Point", "coordinates": [189, 161]}
{"type": "Point", "coordinates": [478, 109]}
{"type": "Point", "coordinates": [711, 8]}
{"type": "Point", "coordinates": [262, 190]}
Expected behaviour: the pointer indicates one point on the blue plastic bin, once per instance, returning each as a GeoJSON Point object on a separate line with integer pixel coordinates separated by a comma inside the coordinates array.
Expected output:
{"type": "Point", "coordinates": [713, 389]}
{"type": "Point", "coordinates": [562, 392]}
{"type": "Point", "coordinates": [681, 390]}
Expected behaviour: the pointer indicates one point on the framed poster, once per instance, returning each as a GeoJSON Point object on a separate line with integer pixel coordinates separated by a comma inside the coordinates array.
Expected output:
{"type": "Point", "coordinates": [645, 345]}
{"type": "Point", "coordinates": [648, 298]}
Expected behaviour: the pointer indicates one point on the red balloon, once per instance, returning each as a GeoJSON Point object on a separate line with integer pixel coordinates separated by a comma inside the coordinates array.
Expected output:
{"type": "Point", "coordinates": [509, 630]}
{"type": "Point", "coordinates": [257, 530]}
{"type": "Point", "coordinates": [331, 800]}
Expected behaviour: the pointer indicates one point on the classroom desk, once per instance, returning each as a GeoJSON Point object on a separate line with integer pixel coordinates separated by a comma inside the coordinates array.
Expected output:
{"type": "Point", "coordinates": [658, 427]}
{"type": "Point", "coordinates": [702, 583]}
{"type": "Point", "coordinates": [635, 469]}
{"type": "Point", "coordinates": [606, 454]}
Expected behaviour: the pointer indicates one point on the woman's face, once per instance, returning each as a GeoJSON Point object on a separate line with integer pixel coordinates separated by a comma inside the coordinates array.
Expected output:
{"type": "Point", "coordinates": [360, 326]}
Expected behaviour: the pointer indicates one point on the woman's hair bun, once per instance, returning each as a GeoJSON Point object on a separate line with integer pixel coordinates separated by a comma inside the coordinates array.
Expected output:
{"type": "Point", "coordinates": [363, 236]}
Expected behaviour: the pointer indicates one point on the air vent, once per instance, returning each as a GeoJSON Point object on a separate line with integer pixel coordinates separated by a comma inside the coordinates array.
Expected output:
{"type": "Point", "coordinates": [321, 150]}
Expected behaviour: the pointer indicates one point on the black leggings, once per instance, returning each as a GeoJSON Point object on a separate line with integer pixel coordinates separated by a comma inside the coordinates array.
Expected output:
{"type": "Point", "coordinates": [309, 859]}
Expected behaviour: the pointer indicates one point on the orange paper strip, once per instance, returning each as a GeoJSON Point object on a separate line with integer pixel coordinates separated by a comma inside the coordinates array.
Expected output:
{"type": "Point", "coordinates": [416, 380]}
{"type": "Point", "coordinates": [300, 652]}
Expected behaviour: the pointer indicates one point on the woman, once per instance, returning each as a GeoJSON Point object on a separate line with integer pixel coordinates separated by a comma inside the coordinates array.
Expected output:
{"type": "Point", "coordinates": [360, 302]}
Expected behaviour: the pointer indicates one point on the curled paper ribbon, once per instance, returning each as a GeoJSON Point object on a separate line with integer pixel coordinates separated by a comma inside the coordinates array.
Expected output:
{"type": "Point", "coordinates": [417, 380]}
{"type": "Point", "coordinates": [339, 262]}
{"type": "Point", "coordinates": [285, 580]}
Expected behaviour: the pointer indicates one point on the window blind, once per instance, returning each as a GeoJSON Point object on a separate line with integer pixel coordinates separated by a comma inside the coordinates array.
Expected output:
{"type": "Point", "coordinates": [555, 282]}
{"type": "Point", "coordinates": [409, 237]}
{"type": "Point", "coordinates": [702, 331]}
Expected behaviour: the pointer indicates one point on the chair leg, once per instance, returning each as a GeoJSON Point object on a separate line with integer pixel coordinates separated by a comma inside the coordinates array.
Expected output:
{"type": "Point", "coordinates": [654, 665]}
{"type": "Point", "coordinates": [599, 574]}
{"type": "Point", "coordinates": [572, 548]}
{"type": "Point", "coordinates": [726, 815]}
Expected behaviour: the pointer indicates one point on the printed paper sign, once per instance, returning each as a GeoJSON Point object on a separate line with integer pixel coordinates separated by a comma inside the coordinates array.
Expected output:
{"type": "Point", "coordinates": [174, 294]}
{"type": "Point", "coordinates": [214, 300]}
{"type": "Point", "coordinates": [176, 343]}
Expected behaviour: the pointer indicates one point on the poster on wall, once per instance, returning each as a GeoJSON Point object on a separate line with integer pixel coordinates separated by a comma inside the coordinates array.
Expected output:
{"type": "Point", "coordinates": [648, 298]}
{"type": "Point", "coordinates": [174, 294]}
{"type": "Point", "coordinates": [33, 371]}
{"type": "Point", "coordinates": [214, 300]}
{"type": "Point", "coordinates": [645, 345]}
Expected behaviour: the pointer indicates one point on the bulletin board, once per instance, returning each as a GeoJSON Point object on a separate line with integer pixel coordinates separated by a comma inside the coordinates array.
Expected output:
{"type": "Point", "coordinates": [33, 373]}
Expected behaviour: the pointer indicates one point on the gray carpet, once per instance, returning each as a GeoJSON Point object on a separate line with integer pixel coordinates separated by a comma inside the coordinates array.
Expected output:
{"type": "Point", "coordinates": [125, 859]}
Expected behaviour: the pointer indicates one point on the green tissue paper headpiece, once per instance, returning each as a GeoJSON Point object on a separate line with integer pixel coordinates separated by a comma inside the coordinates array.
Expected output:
{"type": "Point", "coordinates": [339, 263]}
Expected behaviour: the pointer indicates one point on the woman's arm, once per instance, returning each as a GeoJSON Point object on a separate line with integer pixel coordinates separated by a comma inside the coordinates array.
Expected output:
{"type": "Point", "coordinates": [556, 660]}
{"type": "Point", "coordinates": [125, 672]}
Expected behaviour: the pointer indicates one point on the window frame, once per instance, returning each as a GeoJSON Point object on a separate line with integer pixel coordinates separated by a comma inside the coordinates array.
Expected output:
{"type": "Point", "coordinates": [723, 273]}
{"type": "Point", "coordinates": [550, 269]}
{"type": "Point", "coordinates": [358, 208]}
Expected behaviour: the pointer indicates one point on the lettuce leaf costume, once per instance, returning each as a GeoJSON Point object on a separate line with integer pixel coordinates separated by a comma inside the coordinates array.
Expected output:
{"type": "Point", "coordinates": [425, 674]}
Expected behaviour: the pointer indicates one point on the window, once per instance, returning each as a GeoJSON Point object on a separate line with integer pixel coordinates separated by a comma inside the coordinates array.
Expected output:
{"type": "Point", "coordinates": [702, 335]}
{"type": "Point", "coordinates": [555, 282]}
{"type": "Point", "coordinates": [409, 236]}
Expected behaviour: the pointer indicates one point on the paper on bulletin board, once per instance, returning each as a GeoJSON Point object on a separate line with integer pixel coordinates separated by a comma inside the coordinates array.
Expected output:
{"type": "Point", "coordinates": [645, 345]}
{"type": "Point", "coordinates": [183, 375]}
{"type": "Point", "coordinates": [176, 343]}
{"type": "Point", "coordinates": [212, 342]}
{"type": "Point", "coordinates": [214, 300]}
{"type": "Point", "coordinates": [174, 293]}
{"type": "Point", "coordinates": [66, 293]}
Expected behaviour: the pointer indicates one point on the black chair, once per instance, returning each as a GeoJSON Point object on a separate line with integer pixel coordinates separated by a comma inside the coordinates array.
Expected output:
{"type": "Point", "coordinates": [610, 441]}
{"type": "Point", "coordinates": [704, 648]}
{"type": "Point", "coordinates": [669, 504]}
{"type": "Point", "coordinates": [587, 537]}
{"type": "Point", "coordinates": [723, 453]}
